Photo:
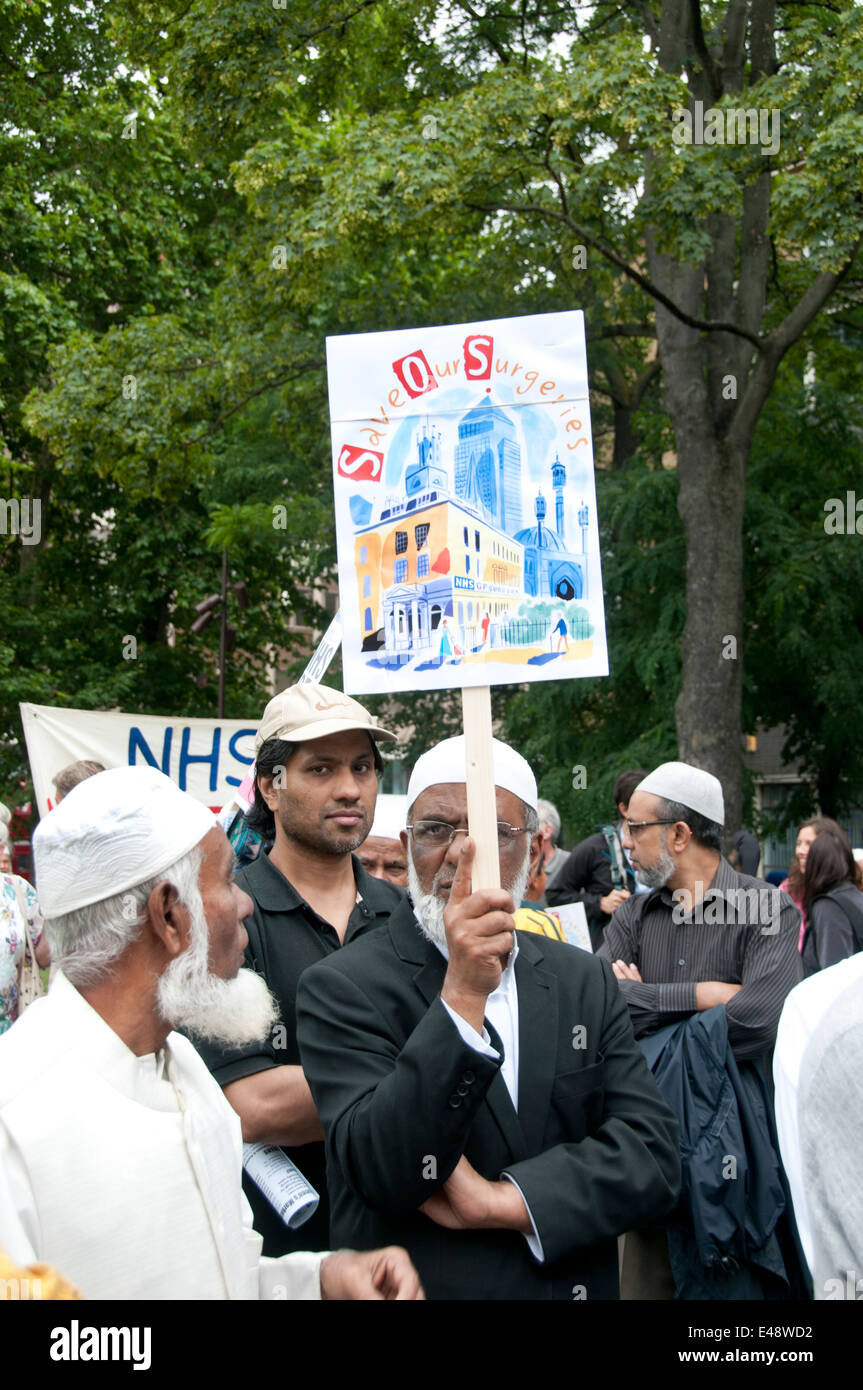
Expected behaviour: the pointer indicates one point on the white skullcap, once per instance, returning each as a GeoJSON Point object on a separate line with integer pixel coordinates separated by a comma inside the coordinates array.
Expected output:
{"type": "Point", "coordinates": [447, 763]}
{"type": "Point", "coordinates": [111, 832]}
{"type": "Point", "coordinates": [391, 813]}
{"type": "Point", "coordinates": [698, 791]}
{"type": "Point", "coordinates": [5, 814]}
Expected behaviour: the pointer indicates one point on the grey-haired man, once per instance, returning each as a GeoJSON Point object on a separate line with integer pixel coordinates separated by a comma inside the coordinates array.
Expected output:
{"type": "Point", "coordinates": [317, 770]}
{"type": "Point", "coordinates": [702, 936]}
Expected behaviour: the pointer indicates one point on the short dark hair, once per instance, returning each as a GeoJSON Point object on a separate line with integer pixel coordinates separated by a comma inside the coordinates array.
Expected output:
{"type": "Point", "coordinates": [625, 786]}
{"type": "Point", "coordinates": [707, 833]}
{"type": "Point", "coordinates": [275, 753]}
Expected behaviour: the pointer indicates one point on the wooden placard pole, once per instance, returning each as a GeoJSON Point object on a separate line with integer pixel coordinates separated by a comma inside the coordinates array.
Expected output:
{"type": "Point", "coordinates": [481, 800]}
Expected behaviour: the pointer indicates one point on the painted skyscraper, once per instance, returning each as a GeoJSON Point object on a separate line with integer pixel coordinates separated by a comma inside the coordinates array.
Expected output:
{"type": "Point", "coordinates": [488, 465]}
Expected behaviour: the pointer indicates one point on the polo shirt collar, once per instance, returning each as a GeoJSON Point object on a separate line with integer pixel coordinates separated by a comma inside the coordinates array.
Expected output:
{"type": "Point", "coordinates": [274, 892]}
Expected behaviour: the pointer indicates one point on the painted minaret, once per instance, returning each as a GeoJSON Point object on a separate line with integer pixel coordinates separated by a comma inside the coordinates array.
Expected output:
{"type": "Point", "coordinates": [558, 482]}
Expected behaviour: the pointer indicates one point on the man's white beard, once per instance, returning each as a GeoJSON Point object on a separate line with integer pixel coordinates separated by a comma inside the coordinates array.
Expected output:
{"type": "Point", "coordinates": [232, 1012]}
{"type": "Point", "coordinates": [430, 908]}
{"type": "Point", "coordinates": [658, 875]}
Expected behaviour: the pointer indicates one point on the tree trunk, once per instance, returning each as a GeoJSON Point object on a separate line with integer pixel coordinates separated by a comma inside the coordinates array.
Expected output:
{"type": "Point", "coordinates": [708, 709]}
{"type": "Point", "coordinates": [625, 442]}
{"type": "Point", "coordinates": [711, 473]}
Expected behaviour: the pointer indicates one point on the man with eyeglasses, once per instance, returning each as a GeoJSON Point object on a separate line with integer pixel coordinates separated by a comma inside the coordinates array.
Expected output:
{"type": "Point", "coordinates": [704, 935]}
{"type": "Point", "coordinates": [480, 1089]}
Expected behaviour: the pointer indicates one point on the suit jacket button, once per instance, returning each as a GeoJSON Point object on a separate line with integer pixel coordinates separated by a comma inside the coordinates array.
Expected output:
{"type": "Point", "coordinates": [454, 1102]}
{"type": "Point", "coordinates": [468, 1078]}
{"type": "Point", "coordinates": [462, 1090]}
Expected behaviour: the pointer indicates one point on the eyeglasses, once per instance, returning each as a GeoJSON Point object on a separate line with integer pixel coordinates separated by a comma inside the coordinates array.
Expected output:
{"type": "Point", "coordinates": [432, 835]}
{"type": "Point", "coordinates": [632, 825]}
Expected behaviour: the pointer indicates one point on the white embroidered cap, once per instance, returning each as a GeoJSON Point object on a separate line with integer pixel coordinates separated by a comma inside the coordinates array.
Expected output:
{"type": "Point", "coordinates": [699, 791]}
{"type": "Point", "coordinates": [391, 813]}
{"type": "Point", "coordinates": [113, 831]}
{"type": "Point", "coordinates": [447, 762]}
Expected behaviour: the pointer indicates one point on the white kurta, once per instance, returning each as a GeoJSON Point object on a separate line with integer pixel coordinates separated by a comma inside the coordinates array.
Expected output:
{"type": "Point", "coordinates": [802, 1013]}
{"type": "Point", "coordinates": [124, 1172]}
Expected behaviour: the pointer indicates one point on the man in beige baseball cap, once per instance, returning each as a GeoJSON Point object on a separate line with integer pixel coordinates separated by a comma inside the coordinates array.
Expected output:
{"type": "Point", "coordinates": [316, 785]}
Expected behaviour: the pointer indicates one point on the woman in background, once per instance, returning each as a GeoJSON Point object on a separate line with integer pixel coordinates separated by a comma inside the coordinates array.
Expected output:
{"type": "Point", "coordinates": [833, 903]}
{"type": "Point", "coordinates": [793, 884]}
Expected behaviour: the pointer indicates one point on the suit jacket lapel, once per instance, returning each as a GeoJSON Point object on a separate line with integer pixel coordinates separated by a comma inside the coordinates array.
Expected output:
{"type": "Point", "coordinates": [537, 1037]}
{"type": "Point", "coordinates": [537, 1030]}
{"type": "Point", "coordinates": [498, 1101]}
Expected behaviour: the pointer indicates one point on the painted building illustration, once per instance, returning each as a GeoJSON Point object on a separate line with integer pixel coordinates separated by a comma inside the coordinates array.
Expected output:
{"type": "Point", "coordinates": [443, 555]}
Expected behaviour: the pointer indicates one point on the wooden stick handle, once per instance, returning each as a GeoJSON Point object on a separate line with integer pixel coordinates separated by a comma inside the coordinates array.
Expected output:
{"type": "Point", "coordinates": [481, 799]}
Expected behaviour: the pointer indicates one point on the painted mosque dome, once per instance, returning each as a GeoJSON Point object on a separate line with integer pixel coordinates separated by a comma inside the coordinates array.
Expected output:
{"type": "Point", "coordinates": [540, 538]}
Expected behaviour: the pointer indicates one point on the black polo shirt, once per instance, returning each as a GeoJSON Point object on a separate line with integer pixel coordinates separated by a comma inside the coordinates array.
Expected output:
{"type": "Point", "coordinates": [285, 936]}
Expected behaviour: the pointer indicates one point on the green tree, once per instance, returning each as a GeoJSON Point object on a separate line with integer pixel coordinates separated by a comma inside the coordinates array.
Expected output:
{"type": "Point", "coordinates": [732, 249]}
{"type": "Point", "coordinates": [378, 165]}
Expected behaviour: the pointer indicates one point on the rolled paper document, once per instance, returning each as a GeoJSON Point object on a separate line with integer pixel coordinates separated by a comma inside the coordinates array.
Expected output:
{"type": "Point", "coordinates": [281, 1182]}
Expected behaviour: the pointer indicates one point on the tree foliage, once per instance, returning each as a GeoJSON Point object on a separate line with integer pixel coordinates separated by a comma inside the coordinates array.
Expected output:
{"type": "Point", "coordinates": [356, 165]}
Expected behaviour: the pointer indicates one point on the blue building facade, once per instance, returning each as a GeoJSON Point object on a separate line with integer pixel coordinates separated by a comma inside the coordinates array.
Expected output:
{"type": "Point", "coordinates": [488, 476]}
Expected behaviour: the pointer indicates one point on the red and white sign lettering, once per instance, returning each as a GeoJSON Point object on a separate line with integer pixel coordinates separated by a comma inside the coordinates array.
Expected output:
{"type": "Point", "coordinates": [415, 374]}
{"type": "Point", "coordinates": [357, 462]}
{"type": "Point", "coordinates": [478, 350]}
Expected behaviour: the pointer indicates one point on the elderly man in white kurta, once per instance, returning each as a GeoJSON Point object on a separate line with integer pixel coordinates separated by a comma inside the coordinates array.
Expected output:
{"type": "Point", "coordinates": [121, 1158]}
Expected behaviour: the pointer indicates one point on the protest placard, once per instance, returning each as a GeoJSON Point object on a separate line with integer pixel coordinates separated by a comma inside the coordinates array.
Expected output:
{"type": "Point", "coordinates": [468, 544]}
{"type": "Point", "coordinates": [465, 505]}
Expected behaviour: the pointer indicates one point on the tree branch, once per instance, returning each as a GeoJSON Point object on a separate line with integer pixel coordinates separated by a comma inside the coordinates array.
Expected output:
{"type": "Point", "coordinates": [492, 43]}
{"type": "Point", "coordinates": [798, 320]}
{"type": "Point", "coordinates": [776, 344]}
{"type": "Point", "coordinates": [339, 22]}
{"type": "Point", "coordinates": [701, 49]}
{"type": "Point", "coordinates": [269, 385]}
{"type": "Point", "coordinates": [703, 325]}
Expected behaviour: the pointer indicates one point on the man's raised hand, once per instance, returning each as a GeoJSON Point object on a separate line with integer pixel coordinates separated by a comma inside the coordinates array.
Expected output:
{"type": "Point", "coordinates": [479, 932]}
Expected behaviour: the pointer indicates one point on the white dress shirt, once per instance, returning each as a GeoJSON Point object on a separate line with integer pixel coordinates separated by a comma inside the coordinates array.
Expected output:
{"type": "Point", "coordinates": [123, 1172]}
{"type": "Point", "coordinates": [805, 1007]}
{"type": "Point", "coordinates": [501, 1010]}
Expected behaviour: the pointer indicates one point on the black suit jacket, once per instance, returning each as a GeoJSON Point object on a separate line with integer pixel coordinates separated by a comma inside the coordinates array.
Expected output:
{"type": "Point", "coordinates": [401, 1097]}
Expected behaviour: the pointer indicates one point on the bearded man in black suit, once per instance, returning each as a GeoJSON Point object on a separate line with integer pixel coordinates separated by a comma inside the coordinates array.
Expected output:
{"type": "Point", "coordinates": [482, 1095]}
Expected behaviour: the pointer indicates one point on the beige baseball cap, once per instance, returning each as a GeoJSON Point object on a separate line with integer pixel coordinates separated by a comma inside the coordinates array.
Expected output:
{"type": "Point", "coordinates": [309, 710]}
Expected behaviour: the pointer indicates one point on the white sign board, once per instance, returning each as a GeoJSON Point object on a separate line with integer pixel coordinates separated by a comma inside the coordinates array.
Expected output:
{"type": "Point", "coordinates": [465, 505]}
{"type": "Point", "coordinates": [206, 757]}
